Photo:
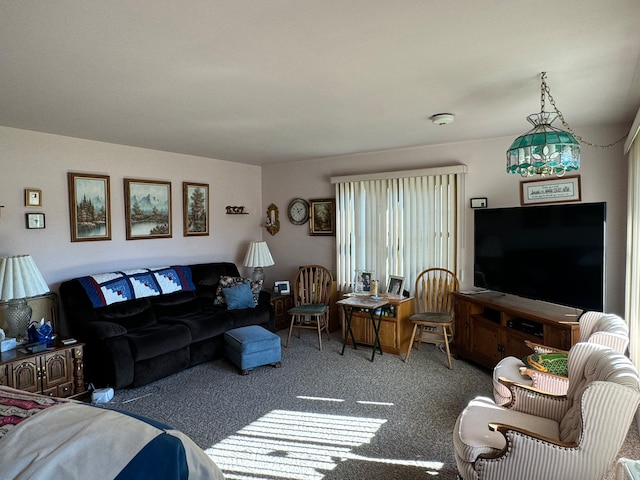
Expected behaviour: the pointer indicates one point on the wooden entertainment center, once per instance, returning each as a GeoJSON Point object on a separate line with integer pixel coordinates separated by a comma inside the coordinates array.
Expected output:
{"type": "Point", "coordinates": [491, 325]}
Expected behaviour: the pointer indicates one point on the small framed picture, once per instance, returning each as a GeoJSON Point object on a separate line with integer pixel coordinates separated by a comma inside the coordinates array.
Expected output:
{"type": "Point", "coordinates": [35, 220]}
{"type": "Point", "coordinates": [362, 283]}
{"type": "Point", "coordinates": [32, 197]}
{"type": "Point", "coordinates": [322, 215]}
{"type": "Point", "coordinates": [283, 287]}
{"type": "Point", "coordinates": [395, 285]}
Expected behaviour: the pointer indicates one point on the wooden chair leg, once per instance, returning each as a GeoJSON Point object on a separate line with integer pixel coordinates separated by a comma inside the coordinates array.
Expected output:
{"type": "Point", "coordinates": [446, 344]}
{"type": "Point", "coordinates": [319, 327]}
{"type": "Point", "coordinates": [293, 319]}
{"type": "Point", "coordinates": [413, 337]}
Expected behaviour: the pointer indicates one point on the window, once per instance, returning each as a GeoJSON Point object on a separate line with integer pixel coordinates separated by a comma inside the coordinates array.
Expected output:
{"type": "Point", "coordinates": [397, 223]}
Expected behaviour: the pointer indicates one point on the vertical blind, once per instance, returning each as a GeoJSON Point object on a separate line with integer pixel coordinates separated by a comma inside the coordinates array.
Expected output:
{"type": "Point", "coordinates": [397, 223]}
{"type": "Point", "coordinates": [632, 307]}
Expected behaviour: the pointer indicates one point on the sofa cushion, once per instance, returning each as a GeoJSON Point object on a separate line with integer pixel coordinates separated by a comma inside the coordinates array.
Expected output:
{"type": "Point", "coordinates": [132, 315]}
{"type": "Point", "coordinates": [157, 340]}
{"type": "Point", "coordinates": [204, 324]}
{"type": "Point", "coordinates": [239, 296]}
{"type": "Point", "coordinates": [260, 315]}
{"type": "Point", "coordinates": [230, 282]}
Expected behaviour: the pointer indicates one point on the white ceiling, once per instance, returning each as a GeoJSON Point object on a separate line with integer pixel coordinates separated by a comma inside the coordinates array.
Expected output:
{"type": "Point", "coordinates": [265, 81]}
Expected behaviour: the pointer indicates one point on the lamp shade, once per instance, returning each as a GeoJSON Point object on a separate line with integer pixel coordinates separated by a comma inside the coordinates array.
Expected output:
{"type": "Point", "coordinates": [20, 278]}
{"type": "Point", "coordinates": [258, 255]}
{"type": "Point", "coordinates": [544, 150]}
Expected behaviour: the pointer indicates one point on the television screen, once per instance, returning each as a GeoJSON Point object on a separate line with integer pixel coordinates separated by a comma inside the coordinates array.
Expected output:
{"type": "Point", "coordinates": [553, 253]}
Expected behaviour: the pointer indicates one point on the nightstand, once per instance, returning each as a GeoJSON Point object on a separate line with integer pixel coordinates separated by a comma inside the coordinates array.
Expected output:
{"type": "Point", "coordinates": [281, 305]}
{"type": "Point", "coordinates": [56, 372]}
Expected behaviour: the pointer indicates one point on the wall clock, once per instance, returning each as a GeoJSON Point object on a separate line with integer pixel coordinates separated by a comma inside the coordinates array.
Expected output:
{"type": "Point", "coordinates": [298, 211]}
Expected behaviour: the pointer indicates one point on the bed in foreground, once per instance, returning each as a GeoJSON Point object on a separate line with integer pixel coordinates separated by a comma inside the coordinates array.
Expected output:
{"type": "Point", "coordinates": [45, 437]}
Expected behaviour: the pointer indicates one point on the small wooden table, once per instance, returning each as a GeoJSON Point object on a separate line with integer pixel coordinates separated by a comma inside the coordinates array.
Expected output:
{"type": "Point", "coordinates": [364, 304]}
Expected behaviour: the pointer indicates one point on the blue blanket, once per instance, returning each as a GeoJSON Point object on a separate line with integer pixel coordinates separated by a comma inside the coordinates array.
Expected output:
{"type": "Point", "coordinates": [106, 288]}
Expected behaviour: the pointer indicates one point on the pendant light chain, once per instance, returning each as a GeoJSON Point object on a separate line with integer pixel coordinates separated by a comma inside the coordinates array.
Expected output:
{"type": "Point", "coordinates": [544, 88]}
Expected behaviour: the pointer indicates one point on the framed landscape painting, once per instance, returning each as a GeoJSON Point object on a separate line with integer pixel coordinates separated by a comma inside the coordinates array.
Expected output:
{"type": "Point", "coordinates": [322, 217]}
{"type": "Point", "coordinates": [195, 209]}
{"type": "Point", "coordinates": [147, 209]}
{"type": "Point", "coordinates": [89, 207]}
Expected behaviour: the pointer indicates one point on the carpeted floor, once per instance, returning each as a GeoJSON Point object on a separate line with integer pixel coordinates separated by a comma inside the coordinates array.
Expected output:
{"type": "Point", "coordinates": [323, 415]}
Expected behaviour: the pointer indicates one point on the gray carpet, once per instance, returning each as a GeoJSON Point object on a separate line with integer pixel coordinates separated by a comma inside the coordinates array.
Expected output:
{"type": "Point", "coordinates": [322, 415]}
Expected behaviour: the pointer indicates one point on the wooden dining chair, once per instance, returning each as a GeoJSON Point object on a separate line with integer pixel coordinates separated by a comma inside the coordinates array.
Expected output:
{"type": "Point", "coordinates": [311, 296]}
{"type": "Point", "coordinates": [433, 322]}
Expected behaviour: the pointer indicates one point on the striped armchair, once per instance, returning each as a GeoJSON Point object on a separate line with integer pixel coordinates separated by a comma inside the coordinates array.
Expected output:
{"type": "Point", "coordinates": [540, 436]}
{"type": "Point", "coordinates": [595, 327]}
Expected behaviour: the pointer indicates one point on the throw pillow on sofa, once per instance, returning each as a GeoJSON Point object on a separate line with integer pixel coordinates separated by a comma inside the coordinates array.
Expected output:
{"type": "Point", "coordinates": [230, 282]}
{"type": "Point", "coordinates": [239, 297]}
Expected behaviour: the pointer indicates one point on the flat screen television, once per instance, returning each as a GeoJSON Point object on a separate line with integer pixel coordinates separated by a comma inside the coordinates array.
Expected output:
{"type": "Point", "coordinates": [554, 253]}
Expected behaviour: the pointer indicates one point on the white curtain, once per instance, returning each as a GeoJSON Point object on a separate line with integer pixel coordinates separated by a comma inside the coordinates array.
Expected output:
{"type": "Point", "coordinates": [397, 223]}
{"type": "Point", "coordinates": [632, 307]}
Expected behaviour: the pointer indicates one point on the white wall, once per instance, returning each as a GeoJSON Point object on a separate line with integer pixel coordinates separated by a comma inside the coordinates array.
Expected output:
{"type": "Point", "coordinates": [603, 175]}
{"type": "Point", "coordinates": [37, 160]}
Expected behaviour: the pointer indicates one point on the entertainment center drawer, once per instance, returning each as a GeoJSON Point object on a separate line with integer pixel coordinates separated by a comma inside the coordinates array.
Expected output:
{"type": "Point", "coordinates": [490, 326]}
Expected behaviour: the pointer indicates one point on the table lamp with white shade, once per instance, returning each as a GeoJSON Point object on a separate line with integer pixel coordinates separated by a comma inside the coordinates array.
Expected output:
{"type": "Point", "coordinates": [258, 256]}
{"type": "Point", "coordinates": [19, 279]}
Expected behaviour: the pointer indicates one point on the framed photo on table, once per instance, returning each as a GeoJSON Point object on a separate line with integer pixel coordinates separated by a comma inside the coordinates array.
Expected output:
{"type": "Point", "coordinates": [89, 207]}
{"type": "Point", "coordinates": [147, 209]}
{"type": "Point", "coordinates": [283, 287]}
{"type": "Point", "coordinates": [395, 285]}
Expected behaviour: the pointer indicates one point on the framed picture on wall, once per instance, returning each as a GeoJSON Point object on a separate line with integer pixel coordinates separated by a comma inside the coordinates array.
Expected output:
{"type": "Point", "coordinates": [147, 209]}
{"type": "Point", "coordinates": [195, 209]}
{"type": "Point", "coordinates": [89, 207]}
{"type": "Point", "coordinates": [322, 217]}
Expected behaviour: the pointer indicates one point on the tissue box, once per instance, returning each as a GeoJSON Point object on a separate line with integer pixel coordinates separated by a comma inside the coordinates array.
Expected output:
{"type": "Point", "coordinates": [8, 344]}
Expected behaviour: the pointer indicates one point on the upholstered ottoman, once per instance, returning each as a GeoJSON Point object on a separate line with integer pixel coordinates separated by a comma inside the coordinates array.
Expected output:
{"type": "Point", "coordinates": [252, 346]}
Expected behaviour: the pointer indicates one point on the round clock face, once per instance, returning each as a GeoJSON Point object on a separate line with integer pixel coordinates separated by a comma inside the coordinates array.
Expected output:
{"type": "Point", "coordinates": [298, 211]}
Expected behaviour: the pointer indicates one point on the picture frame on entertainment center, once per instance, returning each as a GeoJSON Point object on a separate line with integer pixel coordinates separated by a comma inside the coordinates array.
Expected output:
{"type": "Point", "coordinates": [555, 190]}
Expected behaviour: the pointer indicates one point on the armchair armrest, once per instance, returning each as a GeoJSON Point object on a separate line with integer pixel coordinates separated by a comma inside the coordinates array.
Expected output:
{"type": "Point", "coordinates": [540, 348]}
{"type": "Point", "coordinates": [503, 429]}
{"type": "Point", "coordinates": [534, 401]}
{"type": "Point", "coordinates": [547, 382]}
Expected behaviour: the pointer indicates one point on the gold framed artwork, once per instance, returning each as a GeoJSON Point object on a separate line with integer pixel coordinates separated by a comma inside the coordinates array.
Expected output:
{"type": "Point", "coordinates": [195, 209]}
{"type": "Point", "coordinates": [89, 207]}
{"type": "Point", "coordinates": [32, 197]}
{"type": "Point", "coordinates": [147, 209]}
{"type": "Point", "coordinates": [554, 190]}
{"type": "Point", "coordinates": [322, 217]}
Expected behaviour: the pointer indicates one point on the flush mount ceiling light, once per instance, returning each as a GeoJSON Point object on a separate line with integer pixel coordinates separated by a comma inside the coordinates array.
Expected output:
{"type": "Point", "coordinates": [442, 118]}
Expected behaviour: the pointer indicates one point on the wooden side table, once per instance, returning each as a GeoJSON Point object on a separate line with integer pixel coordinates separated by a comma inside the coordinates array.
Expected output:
{"type": "Point", "coordinates": [281, 305]}
{"type": "Point", "coordinates": [57, 371]}
{"type": "Point", "coordinates": [371, 307]}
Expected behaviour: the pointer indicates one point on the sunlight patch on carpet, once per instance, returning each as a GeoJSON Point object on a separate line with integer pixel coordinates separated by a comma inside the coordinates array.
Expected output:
{"type": "Point", "coordinates": [298, 445]}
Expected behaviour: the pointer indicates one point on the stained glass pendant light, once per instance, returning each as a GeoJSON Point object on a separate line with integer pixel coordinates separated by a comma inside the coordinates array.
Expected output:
{"type": "Point", "coordinates": [544, 150]}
